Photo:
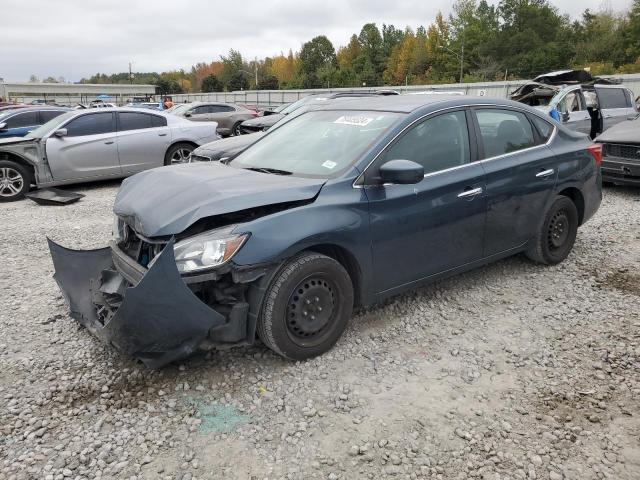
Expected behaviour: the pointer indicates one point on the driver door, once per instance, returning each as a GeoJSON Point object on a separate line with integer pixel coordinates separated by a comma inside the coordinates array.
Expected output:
{"type": "Point", "coordinates": [438, 224]}
{"type": "Point", "coordinates": [88, 151]}
{"type": "Point", "coordinates": [573, 112]}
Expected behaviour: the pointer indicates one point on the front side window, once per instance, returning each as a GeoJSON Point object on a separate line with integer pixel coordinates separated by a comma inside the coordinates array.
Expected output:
{"type": "Point", "coordinates": [437, 143]}
{"type": "Point", "coordinates": [220, 108]}
{"type": "Point", "coordinates": [133, 121]}
{"type": "Point", "coordinates": [612, 98]}
{"type": "Point", "coordinates": [317, 144]}
{"type": "Point", "coordinates": [504, 131]}
{"type": "Point", "coordinates": [201, 110]}
{"type": "Point", "coordinates": [46, 115]}
{"type": "Point", "coordinates": [571, 103]}
{"type": "Point", "coordinates": [92, 124]}
{"type": "Point", "coordinates": [26, 119]}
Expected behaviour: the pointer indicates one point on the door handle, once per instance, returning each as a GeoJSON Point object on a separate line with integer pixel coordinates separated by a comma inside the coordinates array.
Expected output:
{"type": "Point", "coordinates": [545, 173]}
{"type": "Point", "coordinates": [108, 143]}
{"type": "Point", "coordinates": [162, 134]}
{"type": "Point", "coordinates": [470, 193]}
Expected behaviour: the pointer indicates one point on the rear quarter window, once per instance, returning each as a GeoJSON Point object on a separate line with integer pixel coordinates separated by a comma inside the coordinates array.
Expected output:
{"type": "Point", "coordinates": [545, 129]}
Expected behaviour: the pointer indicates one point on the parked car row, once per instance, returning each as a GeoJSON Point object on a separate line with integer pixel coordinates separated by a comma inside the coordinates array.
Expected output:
{"type": "Point", "coordinates": [341, 205]}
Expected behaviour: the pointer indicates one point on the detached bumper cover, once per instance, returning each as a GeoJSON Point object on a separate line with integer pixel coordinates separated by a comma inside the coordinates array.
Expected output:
{"type": "Point", "coordinates": [159, 320]}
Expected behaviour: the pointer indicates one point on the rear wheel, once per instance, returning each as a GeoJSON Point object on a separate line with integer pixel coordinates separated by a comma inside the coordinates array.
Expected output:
{"type": "Point", "coordinates": [557, 234]}
{"type": "Point", "coordinates": [15, 181]}
{"type": "Point", "coordinates": [306, 307]}
{"type": "Point", "coordinates": [178, 153]}
{"type": "Point", "coordinates": [235, 130]}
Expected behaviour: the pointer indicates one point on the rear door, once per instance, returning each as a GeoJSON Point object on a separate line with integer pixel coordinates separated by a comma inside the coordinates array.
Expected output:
{"type": "Point", "coordinates": [521, 172]}
{"type": "Point", "coordinates": [615, 105]}
{"type": "Point", "coordinates": [201, 113]}
{"type": "Point", "coordinates": [20, 124]}
{"type": "Point", "coordinates": [438, 224]}
{"type": "Point", "coordinates": [223, 114]}
{"type": "Point", "coordinates": [89, 149]}
{"type": "Point", "coordinates": [143, 140]}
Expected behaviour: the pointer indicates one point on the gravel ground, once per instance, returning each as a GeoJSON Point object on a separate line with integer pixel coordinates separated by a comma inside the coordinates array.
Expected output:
{"type": "Point", "coordinates": [513, 371]}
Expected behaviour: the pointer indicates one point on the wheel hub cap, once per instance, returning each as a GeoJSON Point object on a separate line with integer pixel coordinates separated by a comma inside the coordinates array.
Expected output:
{"type": "Point", "coordinates": [310, 308]}
{"type": "Point", "coordinates": [558, 230]}
{"type": "Point", "coordinates": [11, 182]}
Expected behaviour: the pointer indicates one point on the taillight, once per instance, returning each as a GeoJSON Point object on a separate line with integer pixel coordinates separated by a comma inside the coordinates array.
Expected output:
{"type": "Point", "coordinates": [254, 113]}
{"type": "Point", "coordinates": [596, 152]}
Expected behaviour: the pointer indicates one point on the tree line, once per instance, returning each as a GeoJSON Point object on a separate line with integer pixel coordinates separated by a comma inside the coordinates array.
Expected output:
{"type": "Point", "coordinates": [514, 39]}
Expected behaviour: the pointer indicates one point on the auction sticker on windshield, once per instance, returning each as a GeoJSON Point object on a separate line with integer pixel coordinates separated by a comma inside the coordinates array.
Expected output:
{"type": "Point", "coordinates": [359, 121]}
{"type": "Point", "coordinates": [329, 164]}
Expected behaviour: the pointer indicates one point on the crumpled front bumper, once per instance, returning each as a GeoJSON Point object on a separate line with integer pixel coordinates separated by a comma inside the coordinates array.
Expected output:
{"type": "Point", "coordinates": [158, 320]}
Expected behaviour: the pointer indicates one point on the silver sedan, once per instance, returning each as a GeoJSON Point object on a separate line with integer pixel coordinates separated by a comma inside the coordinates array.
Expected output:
{"type": "Point", "coordinates": [88, 145]}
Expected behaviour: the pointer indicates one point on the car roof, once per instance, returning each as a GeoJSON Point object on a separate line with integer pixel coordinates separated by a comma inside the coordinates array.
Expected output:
{"type": "Point", "coordinates": [35, 109]}
{"type": "Point", "coordinates": [411, 103]}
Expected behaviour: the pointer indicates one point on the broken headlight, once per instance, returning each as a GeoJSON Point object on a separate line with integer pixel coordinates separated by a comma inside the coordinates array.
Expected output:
{"type": "Point", "coordinates": [117, 232]}
{"type": "Point", "coordinates": [207, 250]}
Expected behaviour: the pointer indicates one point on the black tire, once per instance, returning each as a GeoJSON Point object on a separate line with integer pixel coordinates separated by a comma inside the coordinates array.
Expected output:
{"type": "Point", "coordinates": [306, 307]}
{"type": "Point", "coordinates": [15, 181]}
{"type": "Point", "coordinates": [177, 153]}
{"type": "Point", "coordinates": [235, 130]}
{"type": "Point", "coordinates": [557, 234]}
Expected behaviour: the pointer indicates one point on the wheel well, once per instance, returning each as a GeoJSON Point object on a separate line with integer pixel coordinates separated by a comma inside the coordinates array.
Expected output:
{"type": "Point", "coordinates": [12, 157]}
{"type": "Point", "coordinates": [578, 200]}
{"type": "Point", "coordinates": [348, 261]}
{"type": "Point", "coordinates": [193, 144]}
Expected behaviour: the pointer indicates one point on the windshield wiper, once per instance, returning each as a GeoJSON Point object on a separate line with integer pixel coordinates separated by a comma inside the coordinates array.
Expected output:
{"type": "Point", "coordinates": [274, 171]}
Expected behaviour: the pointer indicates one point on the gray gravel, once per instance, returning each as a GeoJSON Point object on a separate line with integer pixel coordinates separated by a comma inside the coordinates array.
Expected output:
{"type": "Point", "coordinates": [513, 371]}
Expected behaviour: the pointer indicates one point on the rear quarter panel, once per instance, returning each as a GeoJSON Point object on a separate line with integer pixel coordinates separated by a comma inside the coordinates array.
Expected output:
{"type": "Point", "coordinates": [577, 169]}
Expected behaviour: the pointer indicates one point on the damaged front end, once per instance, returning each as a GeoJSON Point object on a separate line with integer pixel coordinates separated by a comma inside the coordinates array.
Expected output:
{"type": "Point", "coordinates": [152, 313]}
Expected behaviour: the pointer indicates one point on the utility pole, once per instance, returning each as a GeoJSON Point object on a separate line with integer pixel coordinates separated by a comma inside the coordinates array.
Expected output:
{"type": "Point", "coordinates": [462, 60]}
{"type": "Point", "coordinates": [130, 75]}
{"type": "Point", "coordinates": [255, 62]}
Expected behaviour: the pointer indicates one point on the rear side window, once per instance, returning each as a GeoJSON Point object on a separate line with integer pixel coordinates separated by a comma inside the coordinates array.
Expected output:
{"type": "Point", "coordinates": [545, 129]}
{"type": "Point", "coordinates": [92, 124]}
{"type": "Point", "coordinates": [221, 108]}
{"type": "Point", "coordinates": [612, 98]}
{"type": "Point", "coordinates": [26, 119]}
{"type": "Point", "coordinates": [46, 115]}
{"type": "Point", "coordinates": [158, 121]}
{"type": "Point", "coordinates": [504, 131]}
{"type": "Point", "coordinates": [133, 121]}
{"type": "Point", "coordinates": [437, 143]}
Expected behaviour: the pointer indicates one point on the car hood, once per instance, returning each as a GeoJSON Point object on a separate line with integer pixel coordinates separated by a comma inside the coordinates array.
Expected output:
{"type": "Point", "coordinates": [227, 147]}
{"type": "Point", "coordinates": [624, 132]}
{"type": "Point", "coordinates": [167, 200]}
{"type": "Point", "coordinates": [267, 121]}
{"type": "Point", "coordinates": [14, 140]}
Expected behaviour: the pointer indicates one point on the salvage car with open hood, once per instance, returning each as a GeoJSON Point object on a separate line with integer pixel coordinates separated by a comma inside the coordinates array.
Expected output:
{"type": "Point", "coordinates": [339, 207]}
{"type": "Point", "coordinates": [584, 103]}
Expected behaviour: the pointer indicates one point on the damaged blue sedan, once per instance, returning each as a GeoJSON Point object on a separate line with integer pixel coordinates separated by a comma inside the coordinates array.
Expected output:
{"type": "Point", "coordinates": [340, 207]}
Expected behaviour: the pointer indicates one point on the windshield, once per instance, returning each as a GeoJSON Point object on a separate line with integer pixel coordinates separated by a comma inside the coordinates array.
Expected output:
{"type": "Point", "coordinates": [317, 144]}
{"type": "Point", "coordinates": [297, 104]}
{"type": "Point", "coordinates": [50, 126]}
{"type": "Point", "coordinates": [179, 108]}
{"type": "Point", "coordinates": [8, 113]}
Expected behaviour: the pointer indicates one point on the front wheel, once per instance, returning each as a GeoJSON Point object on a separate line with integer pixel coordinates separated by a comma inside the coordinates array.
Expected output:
{"type": "Point", "coordinates": [307, 307]}
{"type": "Point", "coordinates": [15, 181]}
{"type": "Point", "coordinates": [178, 153]}
{"type": "Point", "coordinates": [557, 234]}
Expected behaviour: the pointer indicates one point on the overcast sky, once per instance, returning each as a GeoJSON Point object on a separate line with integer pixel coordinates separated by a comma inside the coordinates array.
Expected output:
{"type": "Point", "coordinates": [77, 38]}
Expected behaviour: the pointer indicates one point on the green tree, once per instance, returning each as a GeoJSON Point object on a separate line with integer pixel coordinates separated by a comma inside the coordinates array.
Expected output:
{"type": "Point", "coordinates": [268, 82]}
{"type": "Point", "coordinates": [316, 53]}
{"type": "Point", "coordinates": [211, 83]}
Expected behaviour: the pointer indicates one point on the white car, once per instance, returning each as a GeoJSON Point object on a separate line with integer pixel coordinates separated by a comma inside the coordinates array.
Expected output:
{"type": "Point", "coordinates": [88, 145]}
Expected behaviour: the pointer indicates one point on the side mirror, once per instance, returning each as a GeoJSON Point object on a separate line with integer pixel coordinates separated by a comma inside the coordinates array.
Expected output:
{"type": "Point", "coordinates": [3, 126]}
{"type": "Point", "coordinates": [565, 117]}
{"type": "Point", "coordinates": [188, 114]}
{"type": "Point", "coordinates": [402, 172]}
{"type": "Point", "coordinates": [61, 132]}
